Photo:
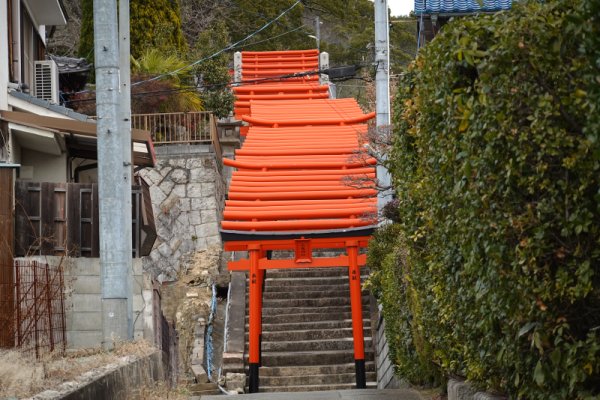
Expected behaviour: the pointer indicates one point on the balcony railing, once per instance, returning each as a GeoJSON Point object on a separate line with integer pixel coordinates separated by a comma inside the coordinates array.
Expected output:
{"type": "Point", "coordinates": [179, 127]}
{"type": "Point", "coordinates": [182, 127]}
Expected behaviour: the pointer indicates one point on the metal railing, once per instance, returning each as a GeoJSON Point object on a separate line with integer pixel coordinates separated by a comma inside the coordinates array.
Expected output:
{"type": "Point", "coordinates": [178, 127]}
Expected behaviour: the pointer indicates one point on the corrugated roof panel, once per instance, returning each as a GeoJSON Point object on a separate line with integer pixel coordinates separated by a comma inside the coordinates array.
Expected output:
{"type": "Point", "coordinates": [460, 6]}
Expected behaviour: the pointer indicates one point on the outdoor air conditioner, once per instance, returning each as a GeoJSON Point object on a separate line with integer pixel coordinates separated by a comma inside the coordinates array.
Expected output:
{"type": "Point", "coordinates": [46, 81]}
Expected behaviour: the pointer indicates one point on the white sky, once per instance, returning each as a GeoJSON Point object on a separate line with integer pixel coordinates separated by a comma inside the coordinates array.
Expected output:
{"type": "Point", "coordinates": [401, 7]}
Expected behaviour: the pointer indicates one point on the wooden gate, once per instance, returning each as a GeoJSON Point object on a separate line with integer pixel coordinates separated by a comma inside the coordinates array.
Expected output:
{"type": "Point", "coordinates": [6, 254]}
{"type": "Point", "coordinates": [63, 219]}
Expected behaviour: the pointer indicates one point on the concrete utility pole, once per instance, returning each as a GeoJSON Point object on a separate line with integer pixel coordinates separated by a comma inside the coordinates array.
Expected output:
{"type": "Point", "coordinates": [125, 132]}
{"type": "Point", "coordinates": [114, 258]}
{"type": "Point", "coordinates": [382, 89]}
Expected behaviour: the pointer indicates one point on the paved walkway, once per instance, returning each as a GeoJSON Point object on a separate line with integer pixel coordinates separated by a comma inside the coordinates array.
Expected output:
{"type": "Point", "coordinates": [355, 394]}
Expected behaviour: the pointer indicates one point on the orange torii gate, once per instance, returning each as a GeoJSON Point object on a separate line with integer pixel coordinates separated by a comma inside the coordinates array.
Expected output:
{"type": "Point", "coordinates": [303, 183]}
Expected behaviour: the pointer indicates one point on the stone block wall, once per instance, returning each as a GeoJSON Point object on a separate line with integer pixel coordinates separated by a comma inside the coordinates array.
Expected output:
{"type": "Point", "coordinates": [187, 192]}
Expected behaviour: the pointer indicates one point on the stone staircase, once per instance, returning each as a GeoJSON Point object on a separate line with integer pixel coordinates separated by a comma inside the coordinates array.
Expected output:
{"type": "Point", "coordinates": [307, 339]}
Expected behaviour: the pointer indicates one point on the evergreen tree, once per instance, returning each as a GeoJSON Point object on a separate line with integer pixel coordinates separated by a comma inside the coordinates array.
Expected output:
{"type": "Point", "coordinates": [154, 24]}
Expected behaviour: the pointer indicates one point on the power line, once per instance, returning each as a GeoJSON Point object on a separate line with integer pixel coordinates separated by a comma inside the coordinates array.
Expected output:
{"type": "Point", "coordinates": [271, 38]}
{"type": "Point", "coordinates": [230, 47]}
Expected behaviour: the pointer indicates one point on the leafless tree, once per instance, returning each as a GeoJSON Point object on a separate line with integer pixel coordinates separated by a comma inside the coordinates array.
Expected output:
{"type": "Point", "coordinates": [64, 40]}
{"type": "Point", "coordinates": [198, 15]}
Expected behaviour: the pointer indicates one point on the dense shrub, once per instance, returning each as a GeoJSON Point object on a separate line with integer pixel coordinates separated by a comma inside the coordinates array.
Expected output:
{"type": "Point", "coordinates": [496, 164]}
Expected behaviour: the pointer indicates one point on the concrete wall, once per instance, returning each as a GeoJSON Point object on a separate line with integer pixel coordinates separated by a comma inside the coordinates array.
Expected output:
{"type": "Point", "coordinates": [187, 193]}
{"type": "Point", "coordinates": [386, 379]}
{"type": "Point", "coordinates": [83, 300]}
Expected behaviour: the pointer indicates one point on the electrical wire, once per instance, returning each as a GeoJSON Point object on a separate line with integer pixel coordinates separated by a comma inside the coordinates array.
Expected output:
{"type": "Point", "coordinates": [230, 47]}
{"type": "Point", "coordinates": [271, 38]}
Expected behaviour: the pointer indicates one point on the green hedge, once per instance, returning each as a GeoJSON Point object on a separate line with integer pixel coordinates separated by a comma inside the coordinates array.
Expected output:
{"type": "Point", "coordinates": [493, 269]}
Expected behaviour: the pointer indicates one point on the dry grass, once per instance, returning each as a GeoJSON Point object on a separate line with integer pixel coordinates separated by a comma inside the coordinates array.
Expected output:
{"type": "Point", "coordinates": [162, 391]}
{"type": "Point", "coordinates": [22, 375]}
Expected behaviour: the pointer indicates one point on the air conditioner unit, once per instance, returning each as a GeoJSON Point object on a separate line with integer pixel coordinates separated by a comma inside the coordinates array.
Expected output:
{"type": "Point", "coordinates": [46, 81]}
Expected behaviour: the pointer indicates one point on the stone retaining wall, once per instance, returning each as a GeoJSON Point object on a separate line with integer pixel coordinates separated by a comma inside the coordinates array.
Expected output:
{"type": "Point", "coordinates": [187, 193]}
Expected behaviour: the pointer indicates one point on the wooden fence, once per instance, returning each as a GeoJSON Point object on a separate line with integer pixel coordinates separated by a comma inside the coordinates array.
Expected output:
{"type": "Point", "coordinates": [63, 219]}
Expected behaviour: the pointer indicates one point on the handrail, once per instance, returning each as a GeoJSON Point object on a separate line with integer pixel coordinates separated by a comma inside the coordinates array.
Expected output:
{"type": "Point", "coordinates": [216, 142]}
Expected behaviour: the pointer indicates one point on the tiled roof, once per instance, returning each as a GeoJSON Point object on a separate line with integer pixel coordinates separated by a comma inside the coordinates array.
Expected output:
{"type": "Point", "coordinates": [460, 6]}
{"type": "Point", "coordinates": [67, 65]}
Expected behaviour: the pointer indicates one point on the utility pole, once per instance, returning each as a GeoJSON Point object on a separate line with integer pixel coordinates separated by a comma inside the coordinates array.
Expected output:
{"type": "Point", "coordinates": [113, 255]}
{"type": "Point", "coordinates": [125, 132]}
{"type": "Point", "coordinates": [382, 90]}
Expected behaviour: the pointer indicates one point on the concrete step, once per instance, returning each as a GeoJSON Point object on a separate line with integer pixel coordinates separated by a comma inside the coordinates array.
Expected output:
{"type": "Point", "coordinates": [307, 272]}
{"type": "Point", "coordinates": [307, 281]}
{"type": "Point", "coordinates": [300, 358]}
{"type": "Point", "coordinates": [327, 379]}
{"type": "Point", "coordinates": [200, 389]}
{"type": "Point", "coordinates": [316, 325]}
{"type": "Point", "coordinates": [309, 333]}
{"type": "Point", "coordinates": [309, 294]}
{"type": "Point", "coordinates": [315, 369]}
{"type": "Point", "coordinates": [311, 345]}
{"type": "Point", "coordinates": [312, 388]}
{"type": "Point", "coordinates": [324, 315]}
{"type": "Point", "coordinates": [308, 302]}
{"type": "Point", "coordinates": [345, 287]}
{"type": "Point", "coordinates": [270, 311]}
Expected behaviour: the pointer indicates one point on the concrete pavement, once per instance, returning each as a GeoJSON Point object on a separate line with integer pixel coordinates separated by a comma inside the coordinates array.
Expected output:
{"type": "Point", "coordinates": [353, 394]}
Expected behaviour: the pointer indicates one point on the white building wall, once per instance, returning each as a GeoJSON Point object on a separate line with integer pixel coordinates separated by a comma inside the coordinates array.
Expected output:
{"type": "Point", "coordinates": [46, 167]}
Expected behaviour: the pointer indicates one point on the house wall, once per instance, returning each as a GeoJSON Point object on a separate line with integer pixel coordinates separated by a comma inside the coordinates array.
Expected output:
{"type": "Point", "coordinates": [187, 192]}
{"type": "Point", "coordinates": [83, 300]}
{"type": "Point", "coordinates": [46, 167]}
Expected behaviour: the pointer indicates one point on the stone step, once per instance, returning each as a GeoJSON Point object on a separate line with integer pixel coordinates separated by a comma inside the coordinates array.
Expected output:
{"type": "Point", "coordinates": [308, 334]}
{"type": "Point", "coordinates": [312, 388]}
{"type": "Point", "coordinates": [200, 389]}
{"type": "Point", "coordinates": [309, 294]}
{"type": "Point", "coordinates": [308, 288]}
{"type": "Point", "coordinates": [307, 281]}
{"type": "Point", "coordinates": [320, 302]}
{"type": "Point", "coordinates": [311, 345]}
{"type": "Point", "coordinates": [316, 325]}
{"type": "Point", "coordinates": [307, 317]}
{"type": "Point", "coordinates": [348, 368]}
{"type": "Point", "coordinates": [307, 272]}
{"type": "Point", "coordinates": [276, 311]}
{"type": "Point", "coordinates": [301, 358]}
{"type": "Point", "coordinates": [320, 379]}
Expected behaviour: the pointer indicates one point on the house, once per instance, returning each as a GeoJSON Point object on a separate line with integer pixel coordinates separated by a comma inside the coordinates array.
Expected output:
{"type": "Point", "coordinates": [42, 141]}
{"type": "Point", "coordinates": [49, 142]}
{"type": "Point", "coordinates": [48, 191]}
{"type": "Point", "coordinates": [433, 14]}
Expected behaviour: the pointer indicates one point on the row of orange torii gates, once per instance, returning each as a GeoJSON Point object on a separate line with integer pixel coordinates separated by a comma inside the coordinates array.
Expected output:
{"type": "Point", "coordinates": [292, 189]}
